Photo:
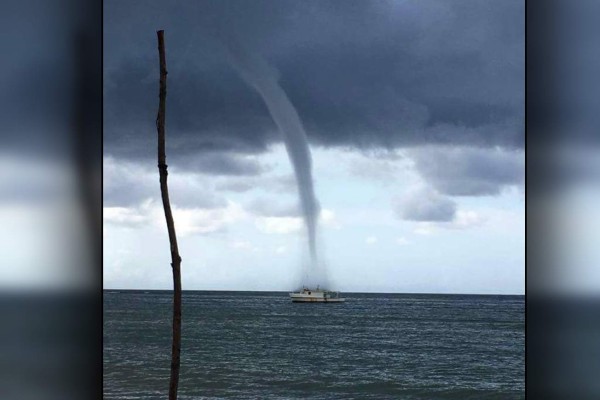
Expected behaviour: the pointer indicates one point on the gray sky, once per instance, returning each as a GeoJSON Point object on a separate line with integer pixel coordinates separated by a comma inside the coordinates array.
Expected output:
{"type": "Point", "coordinates": [415, 115]}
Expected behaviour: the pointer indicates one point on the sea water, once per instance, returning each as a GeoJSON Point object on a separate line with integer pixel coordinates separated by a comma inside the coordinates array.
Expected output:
{"type": "Point", "coordinates": [260, 345]}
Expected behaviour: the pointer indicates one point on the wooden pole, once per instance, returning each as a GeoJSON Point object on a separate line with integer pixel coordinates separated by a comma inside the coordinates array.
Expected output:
{"type": "Point", "coordinates": [164, 192]}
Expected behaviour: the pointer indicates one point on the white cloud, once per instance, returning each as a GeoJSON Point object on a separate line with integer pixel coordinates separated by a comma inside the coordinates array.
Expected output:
{"type": "Point", "coordinates": [129, 217]}
{"type": "Point", "coordinates": [328, 219]}
{"type": "Point", "coordinates": [466, 219]}
{"type": "Point", "coordinates": [371, 240]}
{"type": "Point", "coordinates": [188, 221]}
{"type": "Point", "coordinates": [279, 225]}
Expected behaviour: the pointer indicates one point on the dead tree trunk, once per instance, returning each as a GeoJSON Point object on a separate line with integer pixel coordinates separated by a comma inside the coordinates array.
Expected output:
{"type": "Point", "coordinates": [164, 192]}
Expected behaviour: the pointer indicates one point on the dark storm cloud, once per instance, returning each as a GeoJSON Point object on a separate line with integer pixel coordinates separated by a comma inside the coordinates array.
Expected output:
{"type": "Point", "coordinates": [132, 193]}
{"type": "Point", "coordinates": [463, 171]}
{"type": "Point", "coordinates": [360, 73]}
{"type": "Point", "coordinates": [122, 193]}
{"type": "Point", "coordinates": [282, 185]}
{"type": "Point", "coordinates": [131, 184]}
{"type": "Point", "coordinates": [220, 164]}
{"type": "Point", "coordinates": [426, 205]}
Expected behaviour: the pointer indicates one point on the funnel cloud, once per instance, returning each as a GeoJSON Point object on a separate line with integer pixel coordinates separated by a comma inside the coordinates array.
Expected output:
{"type": "Point", "coordinates": [257, 73]}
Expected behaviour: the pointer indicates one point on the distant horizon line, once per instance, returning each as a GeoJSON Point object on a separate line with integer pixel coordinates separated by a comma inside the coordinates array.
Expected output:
{"type": "Point", "coordinates": [287, 291]}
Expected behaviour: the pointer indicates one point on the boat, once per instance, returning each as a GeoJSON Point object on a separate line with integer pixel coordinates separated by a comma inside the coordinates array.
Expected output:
{"type": "Point", "coordinates": [317, 295]}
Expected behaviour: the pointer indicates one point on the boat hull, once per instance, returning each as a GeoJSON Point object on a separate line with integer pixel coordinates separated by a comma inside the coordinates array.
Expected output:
{"type": "Point", "coordinates": [316, 300]}
{"type": "Point", "coordinates": [316, 296]}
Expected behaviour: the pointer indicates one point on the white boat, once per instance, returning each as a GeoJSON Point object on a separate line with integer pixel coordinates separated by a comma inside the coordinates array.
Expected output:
{"type": "Point", "coordinates": [317, 295]}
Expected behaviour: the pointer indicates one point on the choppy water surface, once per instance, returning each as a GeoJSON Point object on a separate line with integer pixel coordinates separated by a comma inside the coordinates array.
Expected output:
{"type": "Point", "coordinates": [261, 346]}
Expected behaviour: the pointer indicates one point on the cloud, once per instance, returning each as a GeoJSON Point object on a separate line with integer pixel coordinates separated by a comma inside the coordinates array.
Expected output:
{"type": "Point", "coordinates": [201, 222]}
{"type": "Point", "coordinates": [467, 219]}
{"type": "Point", "coordinates": [129, 217]}
{"type": "Point", "coordinates": [126, 217]}
{"type": "Point", "coordinates": [328, 218]}
{"type": "Point", "coordinates": [219, 163]}
{"type": "Point", "coordinates": [234, 186]}
{"type": "Point", "coordinates": [128, 184]}
{"type": "Point", "coordinates": [469, 171]}
{"type": "Point", "coordinates": [281, 183]}
{"type": "Point", "coordinates": [383, 166]}
{"type": "Point", "coordinates": [188, 221]}
{"type": "Point", "coordinates": [192, 191]}
{"type": "Point", "coordinates": [276, 217]}
{"type": "Point", "coordinates": [266, 182]}
{"type": "Point", "coordinates": [362, 75]}
{"type": "Point", "coordinates": [461, 221]}
{"type": "Point", "coordinates": [425, 204]}
{"type": "Point", "coordinates": [279, 225]}
{"type": "Point", "coordinates": [371, 240]}
{"type": "Point", "coordinates": [266, 207]}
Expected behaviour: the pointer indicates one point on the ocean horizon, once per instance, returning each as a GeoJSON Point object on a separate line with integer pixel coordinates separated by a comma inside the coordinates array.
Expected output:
{"type": "Point", "coordinates": [289, 290]}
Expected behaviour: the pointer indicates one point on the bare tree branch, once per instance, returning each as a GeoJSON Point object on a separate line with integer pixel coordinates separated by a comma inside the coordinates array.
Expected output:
{"type": "Point", "coordinates": [164, 191]}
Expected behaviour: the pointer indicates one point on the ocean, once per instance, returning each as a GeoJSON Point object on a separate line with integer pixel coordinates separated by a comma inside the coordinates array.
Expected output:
{"type": "Point", "coordinates": [260, 345]}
